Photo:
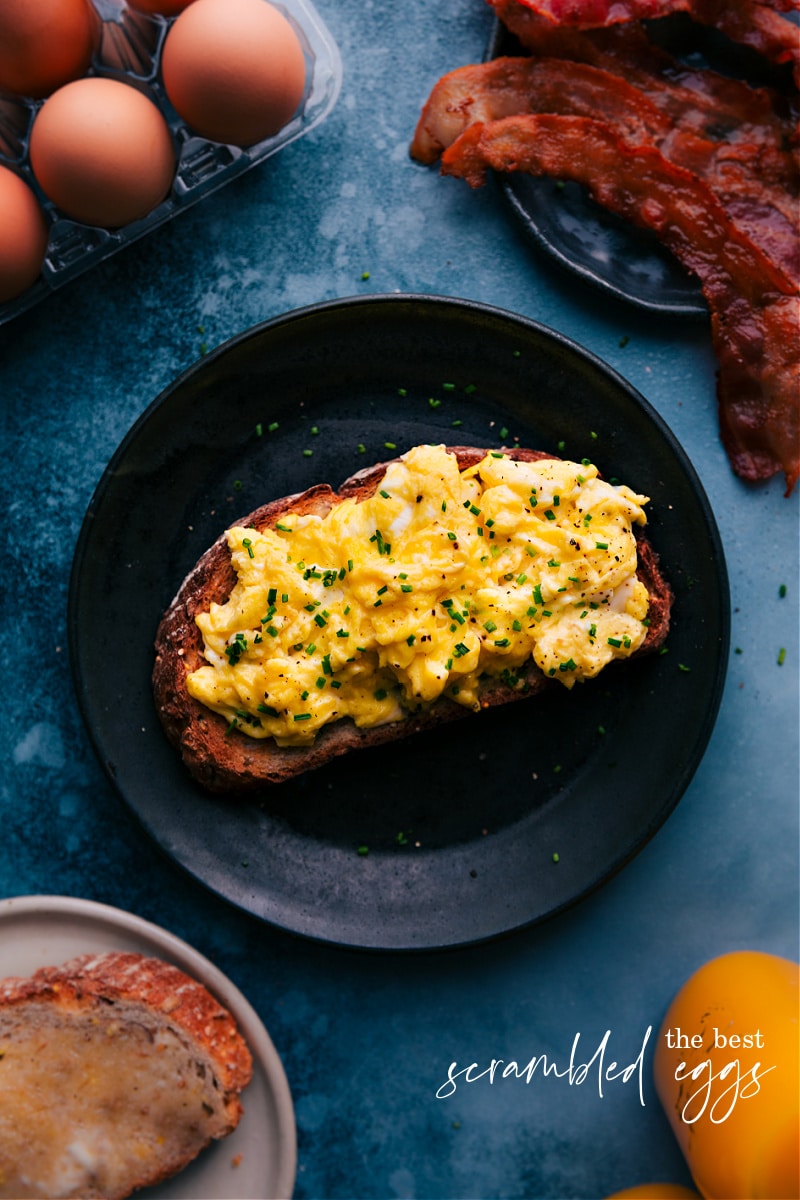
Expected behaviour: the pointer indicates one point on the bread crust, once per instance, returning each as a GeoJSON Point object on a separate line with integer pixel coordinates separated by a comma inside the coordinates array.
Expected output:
{"type": "Point", "coordinates": [153, 993]}
{"type": "Point", "coordinates": [223, 762]}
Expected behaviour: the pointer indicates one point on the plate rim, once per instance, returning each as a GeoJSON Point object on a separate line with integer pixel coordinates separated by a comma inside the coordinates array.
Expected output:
{"type": "Point", "coordinates": [185, 956]}
{"type": "Point", "coordinates": [412, 301]}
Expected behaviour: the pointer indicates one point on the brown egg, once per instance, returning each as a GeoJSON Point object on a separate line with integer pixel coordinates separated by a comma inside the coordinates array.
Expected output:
{"type": "Point", "coordinates": [23, 236]}
{"type": "Point", "coordinates": [102, 152]}
{"type": "Point", "coordinates": [234, 70]}
{"type": "Point", "coordinates": [44, 44]}
{"type": "Point", "coordinates": [161, 8]}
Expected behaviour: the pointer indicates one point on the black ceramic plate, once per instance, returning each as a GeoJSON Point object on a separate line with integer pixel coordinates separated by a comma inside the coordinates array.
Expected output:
{"type": "Point", "coordinates": [462, 824]}
{"type": "Point", "coordinates": [599, 247]}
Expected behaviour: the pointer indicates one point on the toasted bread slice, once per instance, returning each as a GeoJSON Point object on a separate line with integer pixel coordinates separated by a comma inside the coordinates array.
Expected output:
{"type": "Point", "coordinates": [116, 1070]}
{"type": "Point", "coordinates": [225, 762]}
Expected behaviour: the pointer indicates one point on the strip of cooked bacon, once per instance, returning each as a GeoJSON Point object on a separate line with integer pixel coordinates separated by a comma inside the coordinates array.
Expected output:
{"type": "Point", "coordinates": [754, 312]}
{"type": "Point", "coordinates": [750, 22]}
{"type": "Point", "coordinates": [721, 107]}
{"type": "Point", "coordinates": [506, 86]}
{"type": "Point", "coordinates": [758, 185]}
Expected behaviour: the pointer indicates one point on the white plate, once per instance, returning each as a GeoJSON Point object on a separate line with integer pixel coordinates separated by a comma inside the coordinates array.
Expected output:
{"type": "Point", "coordinates": [39, 931]}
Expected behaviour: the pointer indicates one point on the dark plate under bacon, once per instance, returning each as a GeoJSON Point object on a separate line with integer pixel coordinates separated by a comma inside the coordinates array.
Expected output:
{"type": "Point", "coordinates": [706, 162]}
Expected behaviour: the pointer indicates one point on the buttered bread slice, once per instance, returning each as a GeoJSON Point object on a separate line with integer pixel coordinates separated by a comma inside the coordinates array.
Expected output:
{"type": "Point", "coordinates": [116, 1070]}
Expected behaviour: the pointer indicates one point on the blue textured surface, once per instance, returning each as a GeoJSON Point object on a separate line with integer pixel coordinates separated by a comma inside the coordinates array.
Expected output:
{"type": "Point", "coordinates": [367, 1040]}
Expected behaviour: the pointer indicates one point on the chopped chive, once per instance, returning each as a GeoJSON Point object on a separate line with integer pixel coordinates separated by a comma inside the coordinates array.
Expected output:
{"type": "Point", "coordinates": [302, 716]}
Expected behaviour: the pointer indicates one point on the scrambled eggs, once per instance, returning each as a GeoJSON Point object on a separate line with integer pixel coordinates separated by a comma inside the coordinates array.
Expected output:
{"type": "Point", "coordinates": [438, 579]}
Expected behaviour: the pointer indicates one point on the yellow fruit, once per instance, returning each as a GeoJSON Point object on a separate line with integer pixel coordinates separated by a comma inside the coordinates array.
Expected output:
{"type": "Point", "coordinates": [727, 1071]}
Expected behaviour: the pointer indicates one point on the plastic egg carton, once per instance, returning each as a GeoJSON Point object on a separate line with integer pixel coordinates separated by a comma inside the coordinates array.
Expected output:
{"type": "Point", "coordinates": [129, 48]}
